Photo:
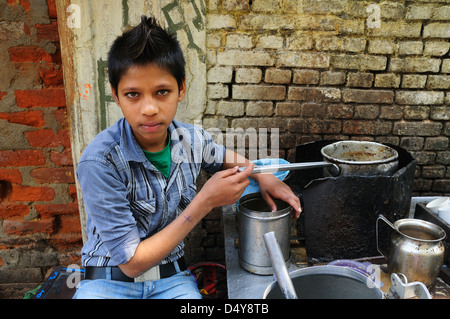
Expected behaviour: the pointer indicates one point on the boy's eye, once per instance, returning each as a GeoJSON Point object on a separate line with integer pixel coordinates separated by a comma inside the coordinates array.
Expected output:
{"type": "Point", "coordinates": [132, 95]}
{"type": "Point", "coordinates": [163, 92]}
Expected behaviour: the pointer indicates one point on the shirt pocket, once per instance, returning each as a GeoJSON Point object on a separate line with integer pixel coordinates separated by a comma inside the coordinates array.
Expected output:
{"type": "Point", "coordinates": [186, 196]}
{"type": "Point", "coordinates": [144, 214]}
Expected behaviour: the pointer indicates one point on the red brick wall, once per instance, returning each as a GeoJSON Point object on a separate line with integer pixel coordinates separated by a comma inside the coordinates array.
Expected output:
{"type": "Point", "coordinates": [39, 220]}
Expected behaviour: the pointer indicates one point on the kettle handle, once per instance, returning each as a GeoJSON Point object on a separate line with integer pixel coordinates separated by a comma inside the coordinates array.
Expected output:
{"type": "Point", "coordinates": [385, 254]}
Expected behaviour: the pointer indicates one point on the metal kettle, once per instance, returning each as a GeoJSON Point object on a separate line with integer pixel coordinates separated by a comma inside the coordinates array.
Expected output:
{"type": "Point", "coordinates": [416, 249]}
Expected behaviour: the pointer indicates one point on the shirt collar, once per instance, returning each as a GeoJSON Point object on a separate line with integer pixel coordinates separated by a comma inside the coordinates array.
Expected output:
{"type": "Point", "coordinates": [130, 148]}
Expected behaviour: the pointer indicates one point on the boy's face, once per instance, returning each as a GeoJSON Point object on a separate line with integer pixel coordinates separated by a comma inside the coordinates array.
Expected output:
{"type": "Point", "coordinates": [148, 97]}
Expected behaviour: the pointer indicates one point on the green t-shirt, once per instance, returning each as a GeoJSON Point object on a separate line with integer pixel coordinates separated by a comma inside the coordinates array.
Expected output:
{"type": "Point", "coordinates": [161, 159]}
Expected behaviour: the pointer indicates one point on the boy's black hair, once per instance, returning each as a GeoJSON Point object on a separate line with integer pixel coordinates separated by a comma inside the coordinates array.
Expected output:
{"type": "Point", "coordinates": [146, 43]}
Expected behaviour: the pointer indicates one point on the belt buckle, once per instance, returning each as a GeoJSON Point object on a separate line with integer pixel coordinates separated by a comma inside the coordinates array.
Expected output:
{"type": "Point", "coordinates": [151, 274]}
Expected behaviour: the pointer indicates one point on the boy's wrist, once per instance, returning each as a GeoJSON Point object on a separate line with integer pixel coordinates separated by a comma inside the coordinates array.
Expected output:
{"type": "Point", "coordinates": [262, 177]}
{"type": "Point", "coordinates": [201, 204]}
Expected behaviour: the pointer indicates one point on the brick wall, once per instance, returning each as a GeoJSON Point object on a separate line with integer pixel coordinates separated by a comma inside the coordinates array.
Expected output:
{"type": "Point", "coordinates": [324, 70]}
{"type": "Point", "coordinates": [39, 220]}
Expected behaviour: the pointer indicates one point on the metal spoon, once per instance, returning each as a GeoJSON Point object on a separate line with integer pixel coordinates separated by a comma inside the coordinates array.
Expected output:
{"type": "Point", "coordinates": [279, 266]}
{"type": "Point", "coordinates": [290, 167]}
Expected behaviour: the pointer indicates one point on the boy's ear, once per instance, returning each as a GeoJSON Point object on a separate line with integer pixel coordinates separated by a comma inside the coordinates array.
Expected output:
{"type": "Point", "coordinates": [182, 91]}
{"type": "Point", "coordinates": [114, 95]}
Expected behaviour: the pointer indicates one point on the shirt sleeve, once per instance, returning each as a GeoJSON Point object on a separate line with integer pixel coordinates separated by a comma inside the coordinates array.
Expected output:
{"type": "Point", "coordinates": [107, 207]}
{"type": "Point", "coordinates": [212, 154]}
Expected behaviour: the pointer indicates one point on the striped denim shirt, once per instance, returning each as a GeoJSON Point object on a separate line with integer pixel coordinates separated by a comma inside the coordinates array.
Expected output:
{"type": "Point", "coordinates": [127, 199]}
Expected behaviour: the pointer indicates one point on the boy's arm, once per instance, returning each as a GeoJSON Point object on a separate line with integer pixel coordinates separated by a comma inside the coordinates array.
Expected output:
{"type": "Point", "coordinates": [223, 188]}
{"type": "Point", "coordinates": [270, 186]}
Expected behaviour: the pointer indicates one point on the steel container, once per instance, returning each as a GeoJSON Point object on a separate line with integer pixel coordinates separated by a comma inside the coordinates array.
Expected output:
{"type": "Point", "coordinates": [361, 158]}
{"type": "Point", "coordinates": [255, 219]}
{"type": "Point", "coordinates": [416, 249]}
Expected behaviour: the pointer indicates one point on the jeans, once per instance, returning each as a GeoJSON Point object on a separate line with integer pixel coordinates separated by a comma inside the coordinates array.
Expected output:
{"type": "Point", "coordinates": [179, 286]}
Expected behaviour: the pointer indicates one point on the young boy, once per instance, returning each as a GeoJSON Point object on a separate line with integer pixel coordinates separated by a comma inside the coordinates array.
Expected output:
{"type": "Point", "coordinates": [138, 177]}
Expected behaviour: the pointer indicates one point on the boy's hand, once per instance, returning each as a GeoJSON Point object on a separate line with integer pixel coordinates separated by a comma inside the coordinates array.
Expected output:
{"type": "Point", "coordinates": [225, 187]}
{"type": "Point", "coordinates": [271, 187]}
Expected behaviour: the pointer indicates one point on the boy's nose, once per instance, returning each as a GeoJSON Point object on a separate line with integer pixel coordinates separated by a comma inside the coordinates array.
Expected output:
{"type": "Point", "coordinates": [149, 107]}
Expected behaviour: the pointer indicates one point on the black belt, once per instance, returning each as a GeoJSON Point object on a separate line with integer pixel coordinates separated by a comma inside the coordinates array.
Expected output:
{"type": "Point", "coordinates": [165, 271]}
